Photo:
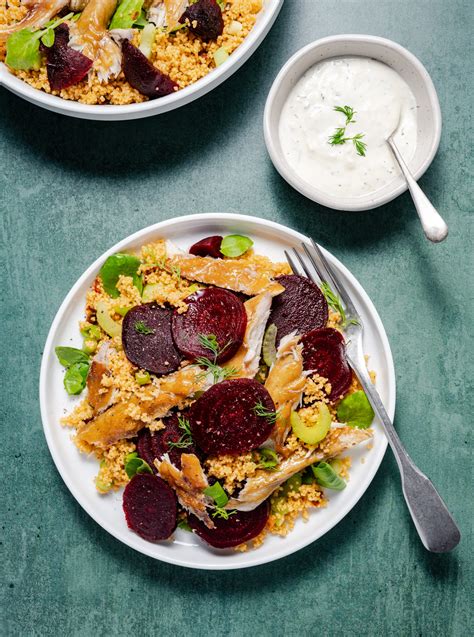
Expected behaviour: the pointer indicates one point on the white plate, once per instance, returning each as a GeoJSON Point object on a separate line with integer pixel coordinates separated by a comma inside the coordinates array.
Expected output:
{"type": "Point", "coordinates": [78, 471]}
{"type": "Point", "coordinates": [265, 20]}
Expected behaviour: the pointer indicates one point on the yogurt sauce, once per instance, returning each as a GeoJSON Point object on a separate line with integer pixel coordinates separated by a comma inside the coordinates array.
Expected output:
{"type": "Point", "coordinates": [380, 98]}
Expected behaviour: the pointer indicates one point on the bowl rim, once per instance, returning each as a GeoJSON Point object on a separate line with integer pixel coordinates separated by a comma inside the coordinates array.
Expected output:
{"type": "Point", "coordinates": [350, 204]}
{"type": "Point", "coordinates": [268, 14]}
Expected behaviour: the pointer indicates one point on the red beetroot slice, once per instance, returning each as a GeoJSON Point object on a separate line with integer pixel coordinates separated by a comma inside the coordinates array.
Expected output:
{"type": "Point", "coordinates": [208, 247]}
{"type": "Point", "coordinates": [324, 352]}
{"type": "Point", "coordinates": [142, 75]}
{"type": "Point", "coordinates": [145, 448]}
{"type": "Point", "coordinates": [204, 19]}
{"type": "Point", "coordinates": [301, 307]}
{"type": "Point", "coordinates": [225, 420]}
{"type": "Point", "coordinates": [64, 65]}
{"type": "Point", "coordinates": [150, 507]}
{"type": "Point", "coordinates": [212, 311]}
{"type": "Point", "coordinates": [161, 441]}
{"type": "Point", "coordinates": [237, 529]}
{"type": "Point", "coordinates": [147, 339]}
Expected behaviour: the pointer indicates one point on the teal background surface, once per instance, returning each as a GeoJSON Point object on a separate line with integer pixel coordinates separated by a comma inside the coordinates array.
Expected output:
{"type": "Point", "coordinates": [70, 189]}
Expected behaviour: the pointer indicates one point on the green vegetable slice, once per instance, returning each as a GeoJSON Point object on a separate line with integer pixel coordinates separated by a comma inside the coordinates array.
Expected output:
{"type": "Point", "coordinates": [147, 39]}
{"type": "Point", "coordinates": [116, 265]}
{"type": "Point", "coordinates": [68, 356]}
{"type": "Point", "coordinates": [217, 493]}
{"type": "Point", "coordinates": [143, 378]}
{"type": "Point", "coordinates": [317, 431]}
{"type": "Point", "coordinates": [234, 245]}
{"type": "Point", "coordinates": [268, 459]}
{"type": "Point", "coordinates": [292, 484]}
{"type": "Point", "coordinates": [355, 410]}
{"type": "Point", "coordinates": [220, 56]}
{"type": "Point", "coordinates": [106, 322]}
{"type": "Point", "coordinates": [327, 477]}
{"type": "Point", "coordinates": [75, 378]}
{"type": "Point", "coordinates": [91, 332]}
{"type": "Point", "coordinates": [269, 345]}
{"type": "Point", "coordinates": [134, 465]}
{"type": "Point", "coordinates": [126, 14]}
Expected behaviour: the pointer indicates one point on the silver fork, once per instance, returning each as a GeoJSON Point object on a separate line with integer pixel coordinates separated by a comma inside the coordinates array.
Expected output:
{"type": "Point", "coordinates": [435, 525]}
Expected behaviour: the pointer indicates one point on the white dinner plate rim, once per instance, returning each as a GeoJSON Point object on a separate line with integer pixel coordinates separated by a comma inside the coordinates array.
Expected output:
{"type": "Point", "coordinates": [288, 547]}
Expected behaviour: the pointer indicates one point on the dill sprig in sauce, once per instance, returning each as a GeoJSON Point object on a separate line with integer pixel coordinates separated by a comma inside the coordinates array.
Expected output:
{"type": "Point", "coordinates": [338, 138]}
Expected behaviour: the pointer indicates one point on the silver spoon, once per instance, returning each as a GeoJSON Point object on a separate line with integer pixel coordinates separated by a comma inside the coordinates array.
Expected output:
{"type": "Point", "coordinates": [434, 226]}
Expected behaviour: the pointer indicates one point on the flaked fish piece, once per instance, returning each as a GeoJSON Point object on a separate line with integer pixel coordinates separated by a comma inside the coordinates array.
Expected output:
{"type": "Point", "coordinates": [166, 13]}
{"type": "Point", "coordinates": [89, 35]}
{"type": "Point", "coordinates": [235, 275]}
{"type": "Point", "coordinates": [247, 358]}
{"type": "Point", "coordinates": [285, 383]}
{"type": "Point", "coordinates": [39, 12]}
{"type": "Point", "coordinates": [117, 423]}
{"type": "Point", "coordinates": [260, 486]}
{"type": "Point", "coordinates": [99, 396]}
{"type": "Point", "coordinates": [189, 484]}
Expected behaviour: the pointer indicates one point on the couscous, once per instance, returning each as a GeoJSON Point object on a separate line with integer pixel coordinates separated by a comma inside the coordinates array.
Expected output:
{"type": "Point", "coordinates": [218, 393]}
{"type": "Point", "coordinates": [120, 52]}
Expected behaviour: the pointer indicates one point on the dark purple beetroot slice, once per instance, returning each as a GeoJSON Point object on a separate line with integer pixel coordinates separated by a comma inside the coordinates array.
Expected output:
{"type": "Point", "coordinates": [150, 507]}
{"type": "Point", "coordinates": [208, 247]}
{"type": "Point", "coordinates": [301, 307]}
{"type": "Point", "coordinates": [225, 419]}
{"type": "Point", "coordinates": [64, 65]}
{"type": "Point", "coordinates": [237, 529]}
{"type": "Point", "coordinates": [145, 448]}
{"type": "Point", "coordinates": [212, 311]}
{"type": "Point", "coordinates": [162, 440]}
{"type": "Point", "coordinates": [147, 339]}
{"type": "Point", "coordinates": [142, 75]}
{"type": "Point", "coordinates": [204, 19]}
{"type": "Point", "coordinates": [324, 352]}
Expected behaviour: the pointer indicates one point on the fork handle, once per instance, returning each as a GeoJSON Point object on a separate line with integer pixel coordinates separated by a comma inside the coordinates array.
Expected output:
{"type": "Point", "coordinates": [435, 525]}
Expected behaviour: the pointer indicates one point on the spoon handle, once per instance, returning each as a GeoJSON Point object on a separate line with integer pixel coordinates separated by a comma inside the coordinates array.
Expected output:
{"type": "Point", "coordinates": [434, 226]}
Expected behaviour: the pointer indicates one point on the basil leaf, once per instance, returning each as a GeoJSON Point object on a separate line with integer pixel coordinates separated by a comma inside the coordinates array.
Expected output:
{"type": "Point", "coordinates": [327, 477]}
{"type": "Point", "coordinates": [217, 493]}
{"type": "Point", "coordinates": [355, 410]}
{"type": "Point", "coordinates": [235, 244]}
{"type": "Point", "coordinates": [75, 378]}
{"type": "Point", "coordinates": [23, 52]}
{"type": "Point", "coordinates": [134, 465]}
{"type": "Point", "coordinates": [117, 265]}
{"type": "Point", "coordinates": [68, 356]}
{"type": "Point", "coordinates": [141, 21]}
{"type": "Point", "coordinates": [126, 14]}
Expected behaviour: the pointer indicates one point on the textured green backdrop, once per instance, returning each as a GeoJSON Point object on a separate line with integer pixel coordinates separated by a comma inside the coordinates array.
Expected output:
{"type": "Point", "coordinates": [72, 188]}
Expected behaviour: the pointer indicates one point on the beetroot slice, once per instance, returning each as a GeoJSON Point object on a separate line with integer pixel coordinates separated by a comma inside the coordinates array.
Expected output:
{"type": "Point", "coordinates": [324, 352]}
{"type": "Point", "coordinates": [64, 66]}
{"type": "Point", "coordinates": [208, 247]}
{"type": "Point", "coordinates": [238, 528]}
{"type": "Point", "coordinates": [150, 507]}
{"type": "Point", "coordinates": [224, 418]}
{"type": "Point", "coordinates": [142, 75]}
{"type": "Point", "coordinates": [301, 307]}
{"type": "Point", "coordinates": [161, 441]}
{"type": "Point", "coordinates": [212, 311]}
{"type": "Point", "coordinates": [154, 351]}
{"type": "Point", "coordinates": [145, 448]}
{"type": "Point", "coordinates": [204, 19]}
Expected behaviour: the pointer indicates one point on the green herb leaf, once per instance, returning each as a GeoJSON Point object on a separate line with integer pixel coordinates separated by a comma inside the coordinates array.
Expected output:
{"type": "Point", "coordinates": [355, 410]}
{"type": "Point", "coordinates": [126, 14]}
{"type": "Point", "coordinates": [335, 303]}
{"type": "Point", "coordinates": [217, 493]}
{"type": "Point", "coordinates": [141, 328]}
{"type": "Point", "coordinates": [260, 410]}
{"type": "Point", "coordinates": [68, 356]}
{"type": "Point", "coordinates": [141, 21]}
{"type": "Point", "coordinates": [218, 373]}
{"type": "Point", "coordinates": [348, 111]}
{"type": "Point", "coordinates": [235, 245]}
{"type": "Point", "coordinates": [117, 265]}
{"type": "Point", "coordinates": [327, 477]}
{"type": "Point", "coordinates": [359, 146]}
{"type": "Point", "coordinates": [23, 50]}
{"type": "Point", "coordinates": [75, 378]}
{"type": "Point", "coordinates": [183, 524]}
{"type": "Point", "coordinates": [209, 342]}
{"type": "Point", "coordinates": [223, 513]}
{"type": "Point", "coordinates": [186, 439]}
{"type": "Point", "coordinates": [48, 38]}
{"type": "Point", "coordinates": [134, 465]}
{"type": "Point", "coordinates": [268, 459]}
{"type": "Point", "coordinates": [337, 138]}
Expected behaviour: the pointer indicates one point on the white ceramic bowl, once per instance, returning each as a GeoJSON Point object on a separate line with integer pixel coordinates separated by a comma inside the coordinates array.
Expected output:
{"type": "Point", "coordinates": [264, 22]}
{"type": "Point", "coordinates": [78, 471]}
{"type": "Point", "coordinates": [395, 56]}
